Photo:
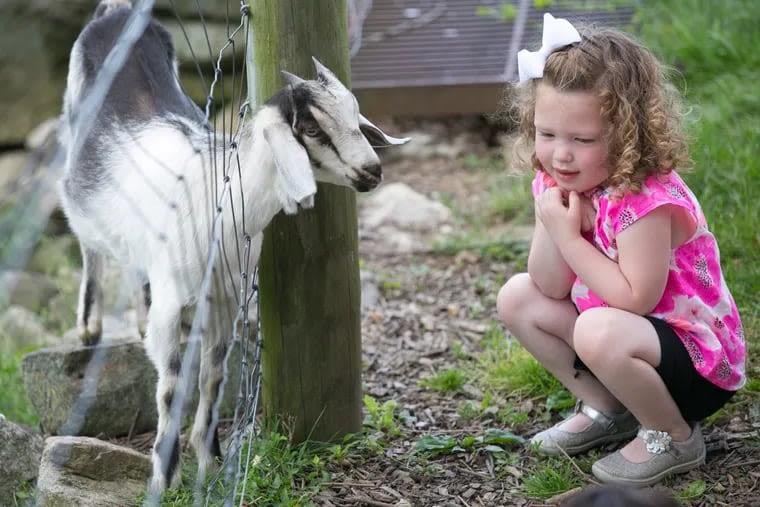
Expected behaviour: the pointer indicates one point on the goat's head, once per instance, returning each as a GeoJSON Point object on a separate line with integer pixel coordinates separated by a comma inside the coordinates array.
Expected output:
{"type": "Point", "coordinates": [328, 135]}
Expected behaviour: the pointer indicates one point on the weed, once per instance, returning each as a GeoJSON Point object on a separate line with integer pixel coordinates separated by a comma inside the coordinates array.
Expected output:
{"type": "Point", "coordinates": [492, 440]}
{"type": "Point", "coordinates": [381, 417]}
{"type": "Point", "coordinates": [551, 478]}
{"type": "Point", "coordinates": [506, 367]}
{"type": "Point", "coordinates": [510, 416]}
{"type": "Point", "coordinates": [467, 411]}
{"type": "Point", "coordinates": [446, 381]}
{"type": "Point", "coordinates": [693, 491]}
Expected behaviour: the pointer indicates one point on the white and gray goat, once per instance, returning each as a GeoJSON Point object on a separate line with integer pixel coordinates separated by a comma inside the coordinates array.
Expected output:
{"type": "Point", "coordinates": [138, 187]}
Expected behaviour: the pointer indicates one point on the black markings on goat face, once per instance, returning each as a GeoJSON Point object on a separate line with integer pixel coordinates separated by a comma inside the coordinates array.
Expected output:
{"type": "Point", "coordinates": [326, 123]}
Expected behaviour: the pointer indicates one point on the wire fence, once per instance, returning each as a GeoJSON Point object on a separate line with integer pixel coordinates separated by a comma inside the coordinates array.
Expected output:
{"type": "Point", "coordinates": [219, 65]}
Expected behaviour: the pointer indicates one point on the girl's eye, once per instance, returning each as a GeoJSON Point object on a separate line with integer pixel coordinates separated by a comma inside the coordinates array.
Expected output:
{"type": "Point", "coordinates": [584, 141]}
{"type": "Point", "coordinates": [545, 135]}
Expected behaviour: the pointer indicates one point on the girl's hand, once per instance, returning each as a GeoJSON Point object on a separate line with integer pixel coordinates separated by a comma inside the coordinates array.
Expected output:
{"type": "Point", "coordinates": [561, 213]}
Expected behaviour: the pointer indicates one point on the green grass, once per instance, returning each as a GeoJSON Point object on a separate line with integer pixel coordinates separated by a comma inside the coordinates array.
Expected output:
{"type": "Point", "coordinates": [446, 381]}
{"type": "Point", "coordinates": [14, 404]}
{"type": "Point", "coordinates": [550, 478]}
{"type": "Point", "coordinates": [714, 44]}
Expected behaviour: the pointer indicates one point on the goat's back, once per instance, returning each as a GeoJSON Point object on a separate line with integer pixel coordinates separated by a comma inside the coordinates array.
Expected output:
{"type": "Point", "coordinates": [146, 86]}
{"type": "Point", "coordinates": [123, 165]}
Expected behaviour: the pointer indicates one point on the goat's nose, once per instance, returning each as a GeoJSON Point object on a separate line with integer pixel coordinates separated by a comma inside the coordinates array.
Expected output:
{"type": "Point", "coordinates": [375, 170]}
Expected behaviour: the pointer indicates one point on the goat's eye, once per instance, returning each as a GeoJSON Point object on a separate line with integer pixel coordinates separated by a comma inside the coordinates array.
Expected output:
{"type": "Point", "coordinates": [311, 131]}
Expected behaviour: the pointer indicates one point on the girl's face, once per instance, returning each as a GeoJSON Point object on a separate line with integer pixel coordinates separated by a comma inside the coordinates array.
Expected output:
{"type": "Point", "coordinates": [570, 138]}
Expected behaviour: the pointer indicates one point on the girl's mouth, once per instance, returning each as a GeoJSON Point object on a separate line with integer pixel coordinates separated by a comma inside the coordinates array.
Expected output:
{"type": "Point", "coordinates": [565, 174]}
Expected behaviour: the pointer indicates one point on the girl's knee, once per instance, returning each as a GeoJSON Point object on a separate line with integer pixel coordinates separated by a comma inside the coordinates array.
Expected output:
{"type": "Point", "coordinates": [512, 297]}
{"type": "Point", "coordinates": [594, 335]}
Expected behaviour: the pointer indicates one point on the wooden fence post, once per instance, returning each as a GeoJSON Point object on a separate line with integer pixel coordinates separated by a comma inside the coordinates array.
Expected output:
{"type": "Point", "coordinates": [309, 267]}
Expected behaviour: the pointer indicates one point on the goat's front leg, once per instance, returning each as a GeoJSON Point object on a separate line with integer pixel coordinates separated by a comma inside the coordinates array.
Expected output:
{"type": "Point", "coordinates": [90, 305]}
{"type": "Point", "coordinates": [216, 337]}
{"type": "Point", "coordinates": [162, 346]}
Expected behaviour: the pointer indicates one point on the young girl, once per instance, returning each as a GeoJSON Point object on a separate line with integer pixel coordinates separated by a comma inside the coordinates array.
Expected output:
{"type": "Point", "coordinates": [624, 300]}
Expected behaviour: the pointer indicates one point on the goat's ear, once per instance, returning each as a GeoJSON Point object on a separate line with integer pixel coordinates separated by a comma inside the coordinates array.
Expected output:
{"type": "Point", "coordinates": [376, 137]}
{"type": "Point", "coordinates": [327, 77]}
{"type": "Point", "coordinates": [291, 79]}
{"type": "Point", "coordinates": [296, 179]}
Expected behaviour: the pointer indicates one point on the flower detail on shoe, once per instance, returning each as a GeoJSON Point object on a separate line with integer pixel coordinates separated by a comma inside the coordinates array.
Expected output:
{"type": "Point", "coordinates": [657, 441]}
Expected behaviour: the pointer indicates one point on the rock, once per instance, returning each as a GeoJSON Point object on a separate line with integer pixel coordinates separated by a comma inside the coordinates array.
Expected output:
{"type": "Point", "coordinates": [400, 219]}
{"type": "Point", "coordinates": [30, 290]}
{"type": "Point", "coordinates": [398, 205]}
{"type": "Point", "coordinates": [19, 457]}
{"type": "Point", "coordinates": [21, 329]}
{"type": "Point", "coordinates": [87, 472]}
{"type": "Point", "coordinates": [105, 390]}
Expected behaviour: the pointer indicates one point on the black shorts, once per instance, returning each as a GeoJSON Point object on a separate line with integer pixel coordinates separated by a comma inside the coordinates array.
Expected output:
{"type": "Point", "coordinates": [695, 396]}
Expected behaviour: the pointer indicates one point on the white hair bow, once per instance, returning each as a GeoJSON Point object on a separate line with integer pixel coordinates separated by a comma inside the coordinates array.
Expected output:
{"type": "Point", "coordinates": [558, 33]}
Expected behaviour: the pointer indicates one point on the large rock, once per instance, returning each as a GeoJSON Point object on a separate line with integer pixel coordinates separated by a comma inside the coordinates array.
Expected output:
{"type": "Point", "coordinates": [86, 472]}
{"type": "Point", "coordinates": [106, 390]}
{"type": "Point", "coordinates": [400, 219]}
{"type": "Point", "coordinates": [20, 453]}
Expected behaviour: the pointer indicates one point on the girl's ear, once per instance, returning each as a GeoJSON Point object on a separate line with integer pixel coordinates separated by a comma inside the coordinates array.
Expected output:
{"type": "Point", "coordinates": [295, 177]}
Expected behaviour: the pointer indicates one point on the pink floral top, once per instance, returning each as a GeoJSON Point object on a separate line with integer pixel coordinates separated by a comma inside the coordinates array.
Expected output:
{"type": "Point", "coordinates": [696, 302]}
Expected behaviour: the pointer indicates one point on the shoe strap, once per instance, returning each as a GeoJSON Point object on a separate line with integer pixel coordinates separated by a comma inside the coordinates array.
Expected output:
{"type": "Point", "coordinates": [594, 415]}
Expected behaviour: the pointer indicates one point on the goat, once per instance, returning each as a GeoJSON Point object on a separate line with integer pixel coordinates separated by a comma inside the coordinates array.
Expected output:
{"type": "Point", "coordinates": [137, 187]}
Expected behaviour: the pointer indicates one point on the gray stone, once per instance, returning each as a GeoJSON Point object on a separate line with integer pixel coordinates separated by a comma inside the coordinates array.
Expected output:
{"type": "Point", "coordinates": [19, 457]}
{"type": "Point", "coordinates": [21, 328]}
{"type": "Point", "coordinates": [30, 290]}
{"type": "Point", "coordinates": [87, 472]}
{"type": "Point", "coordinates": [105, 390]}
{"type": "Point", "coordinates": [398, 205]}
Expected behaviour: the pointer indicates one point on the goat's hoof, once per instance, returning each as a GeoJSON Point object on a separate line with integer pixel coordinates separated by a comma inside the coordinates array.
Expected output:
{"type": "Point", "coordinates": [90, 338]}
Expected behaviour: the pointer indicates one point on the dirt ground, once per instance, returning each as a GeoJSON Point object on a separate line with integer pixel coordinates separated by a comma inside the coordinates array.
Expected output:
{"type": "Point", "coordinates": [411, 334]}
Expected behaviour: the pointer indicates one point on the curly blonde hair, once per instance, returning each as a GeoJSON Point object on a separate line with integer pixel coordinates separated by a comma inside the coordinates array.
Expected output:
{"type": "Point", "coordinates": [641, 109]}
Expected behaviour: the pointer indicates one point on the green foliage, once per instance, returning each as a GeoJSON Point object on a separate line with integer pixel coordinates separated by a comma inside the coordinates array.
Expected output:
{"type": "Point", "coordinates": [713, 45]}
{"type": "Point", "coordinates": [381, 417]}
{"type": "Point", "coordinates": [551, 478]}
{"type": "Point", "coordinates": [506, 367]}
{"type": "Point", "coordinates": [694, 491]}
{"type": "Point", "coordinates": [492, 440]}
{"type": "Point", "coordinates": [14, 403]}
{"type": "Point", "coordinates": [446, 381]}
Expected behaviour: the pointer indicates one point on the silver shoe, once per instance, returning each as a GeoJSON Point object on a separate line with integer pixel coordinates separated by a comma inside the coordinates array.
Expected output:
{"type": "Point", "coordinates": [604, 429]}
{"type": "Point", "coordinates": [668, 457]}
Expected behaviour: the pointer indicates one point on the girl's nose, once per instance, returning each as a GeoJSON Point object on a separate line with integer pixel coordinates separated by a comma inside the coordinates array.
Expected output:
{"type": "Point", "coordinates": [562, 153]}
